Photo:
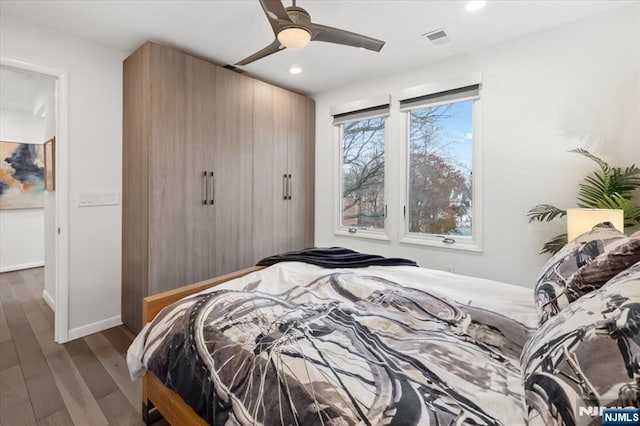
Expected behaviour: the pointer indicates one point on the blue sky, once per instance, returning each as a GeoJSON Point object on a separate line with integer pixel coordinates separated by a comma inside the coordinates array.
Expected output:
{"type": "Point", "coordinates": [459, 129]}
{"type": "Point", "coordinates": [454, 141]}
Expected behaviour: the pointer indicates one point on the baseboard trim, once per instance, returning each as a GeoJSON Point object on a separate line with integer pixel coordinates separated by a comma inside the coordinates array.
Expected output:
{"type": "Point", "coordinates": [21, 266]}
{"type": "Point", "coordinates": [47, 298]}
{"type": "Point", "coordinates": [85, 330]}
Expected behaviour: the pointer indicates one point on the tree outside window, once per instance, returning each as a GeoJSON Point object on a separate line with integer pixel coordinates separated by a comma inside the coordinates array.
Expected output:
{"type": "Point", "coordinates": [440, 169]}
{"type": "Point", "coordinates": [363, 173]}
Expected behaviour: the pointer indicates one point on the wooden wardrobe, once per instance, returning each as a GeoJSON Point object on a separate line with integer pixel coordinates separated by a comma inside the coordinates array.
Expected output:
{"type": "Point", "coordinates": [217, 173]}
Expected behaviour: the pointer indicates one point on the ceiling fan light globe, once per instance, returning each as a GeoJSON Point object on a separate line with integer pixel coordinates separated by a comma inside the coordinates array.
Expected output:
{"type": "Point", "coordinates": [294, 37]}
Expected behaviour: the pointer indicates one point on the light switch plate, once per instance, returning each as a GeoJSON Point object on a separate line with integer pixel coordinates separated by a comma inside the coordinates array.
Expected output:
{"type": "Point", "coordinates": [94, 199]}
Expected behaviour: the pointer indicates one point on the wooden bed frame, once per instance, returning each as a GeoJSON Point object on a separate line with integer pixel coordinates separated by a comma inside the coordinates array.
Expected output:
{"type": "Point", "coordinates": [156, 397]}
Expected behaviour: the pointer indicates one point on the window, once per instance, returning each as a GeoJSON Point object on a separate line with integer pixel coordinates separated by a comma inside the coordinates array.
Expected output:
{"type": "Point", "coordinates": [361, 129]}
{"type": "Point", "coordinates": [362, 179]}
{"type": "Point", "coordinates": [441, 201]}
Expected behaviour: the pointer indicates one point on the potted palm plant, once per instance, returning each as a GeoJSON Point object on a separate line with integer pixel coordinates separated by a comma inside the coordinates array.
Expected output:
{"type": "Point", "coordinates": [607, 188]}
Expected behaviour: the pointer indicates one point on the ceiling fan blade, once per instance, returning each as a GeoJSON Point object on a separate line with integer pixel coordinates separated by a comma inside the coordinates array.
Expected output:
{"type": "Point", "coordinates": [274, 47]}
{"type": "Point", "coordinates": [276, 14]}
{"type": "Point", "coordinates": [338, 36]}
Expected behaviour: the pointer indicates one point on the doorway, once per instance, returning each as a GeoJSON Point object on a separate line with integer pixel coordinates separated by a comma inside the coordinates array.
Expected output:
{"type": "Point", "coordinates": [33, 181]}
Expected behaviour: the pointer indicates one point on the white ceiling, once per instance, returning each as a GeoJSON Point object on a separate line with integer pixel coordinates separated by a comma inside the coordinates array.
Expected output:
{"type": "Point", "coordinates": [225, 31]}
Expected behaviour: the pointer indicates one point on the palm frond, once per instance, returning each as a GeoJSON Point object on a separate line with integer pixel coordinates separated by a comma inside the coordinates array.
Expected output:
{"type": "Point", "coordinates": [627, 180]}
{"type": "Point", "coordinates": [590, 193]}
{"type": "Point", "coordinates": [597, 182]}
{"type": "Point", "coordinates": [544, 213]}
{"type": "Point", "coordinates": [613, 201]}
{"type": "Point", "coordinates": [603, 164]}
{"type": "Point", "coordinates": [606, 182]}
{"type": "Point", "coordinates": [616, 201]}
{"type": "Point", "coordinates": [632, 215]}
{"type": "Point", "coordinates": [554, 245]}
{"type": "Point", "coordinates": [607, 188]}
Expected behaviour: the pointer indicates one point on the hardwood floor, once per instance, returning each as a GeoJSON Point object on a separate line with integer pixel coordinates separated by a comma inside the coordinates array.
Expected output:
{"type": "Point", "coordinates": [82, 382]}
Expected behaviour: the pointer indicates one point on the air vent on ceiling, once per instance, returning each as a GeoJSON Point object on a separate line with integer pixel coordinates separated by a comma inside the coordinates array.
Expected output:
{"type": "Point", "coordinates": [437, 36]}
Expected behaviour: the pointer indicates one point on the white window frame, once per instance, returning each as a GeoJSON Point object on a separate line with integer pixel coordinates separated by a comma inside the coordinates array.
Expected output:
{"type": "Point", "coordinates": [354, 232]}
{"type": "Point", "coordinates": [473, 244]}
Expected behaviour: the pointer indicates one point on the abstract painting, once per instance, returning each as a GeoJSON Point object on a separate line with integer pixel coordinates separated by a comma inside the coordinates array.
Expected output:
{"type": "Point", "coordinates": [21, 176]}
{"type": "Point", "coordinates": [50, 165]}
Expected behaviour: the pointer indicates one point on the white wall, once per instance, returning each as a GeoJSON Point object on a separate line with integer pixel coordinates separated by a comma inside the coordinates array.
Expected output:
{"type": "Point", "coordinates": [21, 230]}
{"type": "Point", "coordinates": [21, 239]}
{"type": "Point", "coordinates": [574, 86]}
{"type": "Point", "coordinates": [95, 161]}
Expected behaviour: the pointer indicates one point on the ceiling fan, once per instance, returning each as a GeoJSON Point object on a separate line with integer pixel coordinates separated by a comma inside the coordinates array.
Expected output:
{"type": "Point", "coordinates": [293, 28]}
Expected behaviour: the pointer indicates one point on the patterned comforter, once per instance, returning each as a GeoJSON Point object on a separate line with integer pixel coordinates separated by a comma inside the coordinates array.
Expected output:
{"type": "Point", "coordinates": [296, 344]}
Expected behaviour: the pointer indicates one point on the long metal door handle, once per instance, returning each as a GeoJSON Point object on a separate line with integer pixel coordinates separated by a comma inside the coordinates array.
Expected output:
{"type": "Point", "coordinates": [213, 189]}
{"type": "Point", "coordinates": [206, 188]}
{"type": "Point", "coordinates": [284, 187]}
{"type": "Point", "coordinates": [289, 191]}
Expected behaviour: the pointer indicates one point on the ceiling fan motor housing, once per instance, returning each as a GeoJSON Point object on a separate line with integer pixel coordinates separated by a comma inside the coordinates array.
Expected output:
{"type": "Point", "coordinates": [298, 15]}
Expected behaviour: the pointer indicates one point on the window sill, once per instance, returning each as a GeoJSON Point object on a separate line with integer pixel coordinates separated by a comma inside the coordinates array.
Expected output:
{"type": "Point", "coordinates": [458, 245]}
{"type": "Point", "coordinates": [380, 236]}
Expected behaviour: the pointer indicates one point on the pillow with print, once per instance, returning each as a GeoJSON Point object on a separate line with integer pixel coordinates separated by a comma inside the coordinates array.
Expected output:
{"type": "Point", "coordinates": [550, 289]}
{"type": "Point", "coordinates": [587, 356]}
{"type": "Point", "coordinates": [618, 256]}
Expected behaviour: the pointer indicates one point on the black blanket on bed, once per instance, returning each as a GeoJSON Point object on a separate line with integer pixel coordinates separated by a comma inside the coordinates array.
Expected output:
{"type": "Point", "coordinates": [335, 257]}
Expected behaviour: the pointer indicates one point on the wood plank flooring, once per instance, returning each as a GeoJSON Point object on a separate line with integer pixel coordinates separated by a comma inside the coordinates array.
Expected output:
{"type": "Point", "coordinates": [82, 382]}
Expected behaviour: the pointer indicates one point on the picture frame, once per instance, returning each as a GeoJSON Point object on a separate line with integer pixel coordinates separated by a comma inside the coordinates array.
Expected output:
{"type": "Point", "coordinates": [21, 175]}
{"type": "Point", "coordinates": [50, 165]}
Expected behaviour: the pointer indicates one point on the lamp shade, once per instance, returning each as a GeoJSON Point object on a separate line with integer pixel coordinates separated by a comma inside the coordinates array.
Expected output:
{"type": "Point", "coordinates": [294, 37]}
{"type": "Point", "coordinates": [580, 221]}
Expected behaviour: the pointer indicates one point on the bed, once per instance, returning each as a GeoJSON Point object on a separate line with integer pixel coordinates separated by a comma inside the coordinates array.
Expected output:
{"type": "Point", "coordinates": [300, 344]}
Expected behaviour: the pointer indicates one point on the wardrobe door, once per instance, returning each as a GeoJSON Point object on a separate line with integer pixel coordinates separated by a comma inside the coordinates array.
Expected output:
{"type": "Point", "coordinates": [135, 206]}
{"type": "Point", "coordinates": [200, 129]}
{"type": "Point", "coordinates": [301, 154]}
{"type": "Point", "coordinates": [178, 254]}
{"type": "Point", "coordinates": [271, 119]}
{"type": "Point", "coordinates": [231, 151]}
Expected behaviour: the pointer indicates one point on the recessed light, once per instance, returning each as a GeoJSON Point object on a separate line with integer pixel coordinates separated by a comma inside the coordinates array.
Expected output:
{"type": "Point", "coordinates": [474, 5]}
{"type": "Point", "coordinates": [295, 70]}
